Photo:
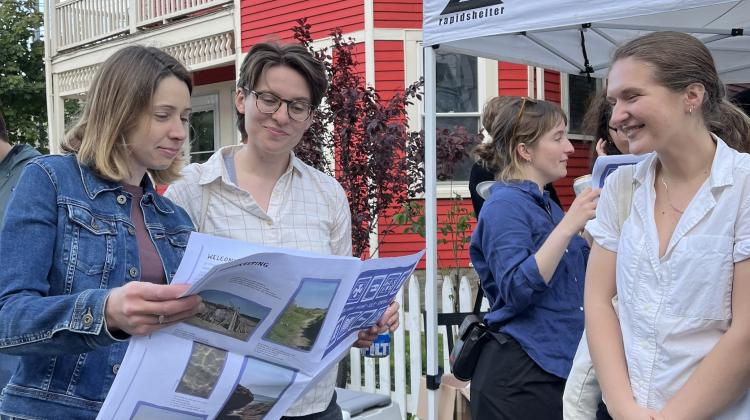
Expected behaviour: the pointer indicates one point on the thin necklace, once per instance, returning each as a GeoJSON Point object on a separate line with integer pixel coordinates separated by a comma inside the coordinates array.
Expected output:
{"type": "Point", "coordinates": [669, 200]}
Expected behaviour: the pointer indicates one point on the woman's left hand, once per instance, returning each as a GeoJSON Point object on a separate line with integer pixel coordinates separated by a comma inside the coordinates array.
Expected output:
{"type": "Point", "coordinates": [388, 322]}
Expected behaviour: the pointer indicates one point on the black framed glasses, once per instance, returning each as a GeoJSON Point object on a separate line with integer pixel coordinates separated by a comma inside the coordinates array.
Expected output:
{"type": "Point", "coordinates": [268, 103]}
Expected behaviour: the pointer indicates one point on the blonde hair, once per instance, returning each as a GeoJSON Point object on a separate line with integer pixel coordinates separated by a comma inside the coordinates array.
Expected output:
{"type": "Point", "coordinates": [119, 98]}
{"type": "Point", "coordinates": [512, 120]}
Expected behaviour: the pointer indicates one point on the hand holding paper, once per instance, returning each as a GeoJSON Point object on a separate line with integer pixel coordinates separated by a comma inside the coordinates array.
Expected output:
{"type": "Point", "coordinates": [140, 308]}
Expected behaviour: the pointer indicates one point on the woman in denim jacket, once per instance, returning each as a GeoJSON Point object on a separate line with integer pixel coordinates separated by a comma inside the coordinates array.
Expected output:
{"type": "Point", "coordinates": [88, 246]}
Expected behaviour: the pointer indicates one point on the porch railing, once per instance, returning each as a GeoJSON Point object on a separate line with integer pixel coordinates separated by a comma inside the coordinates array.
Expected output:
{"type": "Point", "coordinates": [407, 367]}
{"type": "Point", "coordinates": [81, 22]}
{"type": "Point", "coordinates": [154, 11]}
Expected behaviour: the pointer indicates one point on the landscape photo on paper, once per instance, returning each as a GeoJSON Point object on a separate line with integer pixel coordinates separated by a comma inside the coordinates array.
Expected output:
{"type": "Point", "coordinates": [299, 324]}
{"type": "Point", "coordinates": [146, 411]}
{"type": "Point", "coordinates": [259, 387]}
{"type": "Point", "coordinates": [229, 314]}
{"type": "Point", "coordinates": [203, 370]}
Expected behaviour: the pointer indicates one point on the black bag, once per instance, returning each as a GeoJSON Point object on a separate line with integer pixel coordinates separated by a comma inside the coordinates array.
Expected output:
{"type": "Point", "coordinates": [472, 334]}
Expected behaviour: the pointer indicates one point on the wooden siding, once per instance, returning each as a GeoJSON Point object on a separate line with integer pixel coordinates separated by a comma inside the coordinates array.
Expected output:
{"type": "Point", "coordinates": [552, 86]}
{"type": "Point", "coordinates": [512, 79]}
{"type": "Point", "coordinates": [395, 242]}
{"type": "Point", "coordinates": [577, 165]}
{"type": "Point", "coordinates": [263, 20]}
{"type": "Point", "coordinates": [389, 68]}
{"type": "Point", "coordinates": [397, 14]}
{"type": "Point", "coordinates": [215, 75]}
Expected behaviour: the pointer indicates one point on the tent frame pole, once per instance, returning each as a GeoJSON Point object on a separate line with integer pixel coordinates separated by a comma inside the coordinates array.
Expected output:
{"type": "Point", "coordinates": [710, 31]}
{"type": "Point", "coordinates": [430, 211]}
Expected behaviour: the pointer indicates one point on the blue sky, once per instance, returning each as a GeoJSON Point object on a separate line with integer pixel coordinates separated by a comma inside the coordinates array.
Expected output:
{"type": "Point", "coordinates": [316, 293]}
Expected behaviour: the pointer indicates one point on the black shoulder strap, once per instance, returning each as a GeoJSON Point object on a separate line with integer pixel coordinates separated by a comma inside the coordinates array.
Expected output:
{"type": "Point", "coordinates": [478, 302]}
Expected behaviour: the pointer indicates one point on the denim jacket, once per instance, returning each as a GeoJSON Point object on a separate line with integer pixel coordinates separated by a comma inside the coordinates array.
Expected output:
{"type": "Point", "coordinates": [67, 241]}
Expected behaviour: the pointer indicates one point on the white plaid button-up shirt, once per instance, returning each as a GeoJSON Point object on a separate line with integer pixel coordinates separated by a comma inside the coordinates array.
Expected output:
{"type": "Point", "coordinates": [308, 210]}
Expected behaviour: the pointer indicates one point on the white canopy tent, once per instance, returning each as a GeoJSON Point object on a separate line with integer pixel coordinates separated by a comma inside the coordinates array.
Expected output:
{"type": "Point", "coordinates": [571, 36]}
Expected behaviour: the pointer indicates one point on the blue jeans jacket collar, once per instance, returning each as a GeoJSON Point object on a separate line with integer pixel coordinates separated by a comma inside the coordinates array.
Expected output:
{"type": "Point", "coordinates": [94, 185]}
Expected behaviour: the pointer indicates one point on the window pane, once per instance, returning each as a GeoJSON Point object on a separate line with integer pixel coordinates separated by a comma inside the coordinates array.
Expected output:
{"type": "Point", "coordinates": [456, 86]}
{"type": "Point", "coordinates": [202, 141]}
{"type": "Point", "coordinates": [580, 92]}
{"type": "Point", "coordinates": [462, 170]}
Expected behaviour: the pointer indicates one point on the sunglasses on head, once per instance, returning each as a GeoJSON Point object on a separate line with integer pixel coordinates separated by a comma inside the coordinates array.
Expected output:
{"type": "Point", "coordinates": [522, 108]}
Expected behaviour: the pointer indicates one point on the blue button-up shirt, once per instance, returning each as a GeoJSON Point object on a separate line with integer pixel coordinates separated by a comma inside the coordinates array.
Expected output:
{"type": "Point", "coordinates": [545, 318]}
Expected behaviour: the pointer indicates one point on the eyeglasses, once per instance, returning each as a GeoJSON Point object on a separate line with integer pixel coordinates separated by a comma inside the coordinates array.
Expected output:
{"type": "Point", "coordinates": [520, 113]}
{"type": "Point", "coordinates": [268, 103]}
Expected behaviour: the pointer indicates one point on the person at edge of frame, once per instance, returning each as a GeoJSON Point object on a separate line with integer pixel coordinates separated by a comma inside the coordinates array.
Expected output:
{"type": "Point", "coordinates": [13, 158]}
{"type": "Point", "coordinates": [677, 348]}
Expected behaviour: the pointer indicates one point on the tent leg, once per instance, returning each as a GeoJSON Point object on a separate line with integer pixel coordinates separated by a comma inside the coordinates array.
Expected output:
{"type": "Point", "coordinates": [430, 206]}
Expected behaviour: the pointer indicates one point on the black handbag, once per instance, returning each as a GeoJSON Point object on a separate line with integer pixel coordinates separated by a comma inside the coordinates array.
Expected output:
{"type": "Point", "coordinates": [472, 334]}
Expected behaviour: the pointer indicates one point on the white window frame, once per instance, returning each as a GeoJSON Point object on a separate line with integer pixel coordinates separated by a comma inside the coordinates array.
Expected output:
{"type": "Point", "coordinates": [203, 103]}
{"type": "Point", "coordinates": [487, 88]}
{"type": "Point", "coordinates": [565, 103]}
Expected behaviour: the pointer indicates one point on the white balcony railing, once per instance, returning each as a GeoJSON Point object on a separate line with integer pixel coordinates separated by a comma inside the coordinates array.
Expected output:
{"type": "Point", "coordinates": [81, 22]}
{"type": "Point", "coordinates": [154, 11]}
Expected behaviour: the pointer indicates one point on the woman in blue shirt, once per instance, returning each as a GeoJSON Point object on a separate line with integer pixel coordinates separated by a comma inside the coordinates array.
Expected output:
{"type": "Point", "coordinates": [531, 263]}
{"type": "Point", "coordinates": [89, 247]}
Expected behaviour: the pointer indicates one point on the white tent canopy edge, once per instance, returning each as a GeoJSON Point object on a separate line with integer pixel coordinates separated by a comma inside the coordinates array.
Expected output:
{"type": "Point", "coordinates": [552, 34]}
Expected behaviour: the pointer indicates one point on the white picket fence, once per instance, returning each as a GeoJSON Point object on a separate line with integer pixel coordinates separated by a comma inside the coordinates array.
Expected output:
{"type": "Point", "coordinates": [411, 320]}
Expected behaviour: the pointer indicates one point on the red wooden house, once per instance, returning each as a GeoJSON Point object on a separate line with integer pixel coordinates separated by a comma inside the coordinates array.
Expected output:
{"type": "Point", "coordinates": [211, 36]}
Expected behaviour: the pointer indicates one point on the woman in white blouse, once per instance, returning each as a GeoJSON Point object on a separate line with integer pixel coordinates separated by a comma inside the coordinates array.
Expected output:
{"type": "Point", "coordinates": [680, 265]}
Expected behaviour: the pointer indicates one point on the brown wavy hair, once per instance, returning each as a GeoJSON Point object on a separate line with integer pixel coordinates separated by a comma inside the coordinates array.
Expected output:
{"type": "Point", "coordinates": [679, 60]}
{"type": "Point", "coordinates": [118, 98]}
{"type": "Point", "coordinates": [512, 120]}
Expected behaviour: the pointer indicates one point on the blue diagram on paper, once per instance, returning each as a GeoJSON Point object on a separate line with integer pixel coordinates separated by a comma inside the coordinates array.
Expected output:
{"type": "Point", "coordinates": [373, 291]}
{"type": "Point", "coordinates": [607, 171]}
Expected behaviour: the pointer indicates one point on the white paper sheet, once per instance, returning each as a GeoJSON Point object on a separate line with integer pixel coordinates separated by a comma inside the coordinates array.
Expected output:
{"type": "Point", "coordinates": [605, 165]}
{"type": "Point", "coordinates": [275, 319]}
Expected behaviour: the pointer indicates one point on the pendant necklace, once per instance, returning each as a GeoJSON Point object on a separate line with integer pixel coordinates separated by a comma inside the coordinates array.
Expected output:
{"type": "Point", "coordinates": [669, 200]}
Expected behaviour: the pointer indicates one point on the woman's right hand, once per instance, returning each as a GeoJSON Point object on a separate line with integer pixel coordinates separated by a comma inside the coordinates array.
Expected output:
{"type": "Point", "coordinates": [633, 411]}
{"type": "Point", "coordinates": [581, 211]}
{"type": "Point", "coordinates": [140, 308]}
{"type": "Point", "coordinates": [600, 147]}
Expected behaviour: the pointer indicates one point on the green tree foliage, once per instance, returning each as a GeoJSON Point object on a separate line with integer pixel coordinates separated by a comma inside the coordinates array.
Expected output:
{"type": "Point", "coordinates": [22, 87]}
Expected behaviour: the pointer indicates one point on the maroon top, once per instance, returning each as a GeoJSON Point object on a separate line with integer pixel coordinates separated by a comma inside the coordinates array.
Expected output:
{"type": "Point", "coordinates": [151, 266]}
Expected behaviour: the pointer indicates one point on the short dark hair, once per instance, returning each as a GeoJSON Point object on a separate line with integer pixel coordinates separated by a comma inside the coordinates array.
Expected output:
{"type": "Point", "coordinates": [265, 55]}
{"type": "Point", "coordinates": [3, 129]}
